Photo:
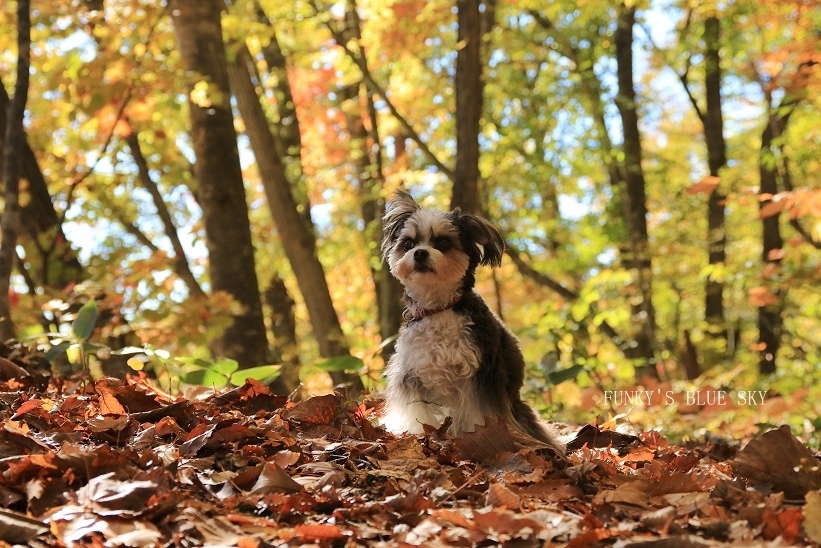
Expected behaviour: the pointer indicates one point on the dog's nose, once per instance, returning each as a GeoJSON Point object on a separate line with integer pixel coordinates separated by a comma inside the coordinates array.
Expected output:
{"type": "Point", "coordinates": [420, 255]}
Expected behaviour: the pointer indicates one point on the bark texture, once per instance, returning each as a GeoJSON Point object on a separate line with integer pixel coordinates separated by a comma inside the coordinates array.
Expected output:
{"type": "Point", "coordinates": [52, 262]}
{"type": "Point", "coordinates": [220, 190]}
{"type": "Point", "coordinates": [634, 199]}
{"type": "Point", "coordinates": [298, 239]}
{"type": "Point", "coordinates": [12, 145]}
{"type": "Point", "coordinates": [769, 316]}
{"type": "Point", "coordinates": [469, 87]}
{"type": "Point", "coordinates": [713, 122]}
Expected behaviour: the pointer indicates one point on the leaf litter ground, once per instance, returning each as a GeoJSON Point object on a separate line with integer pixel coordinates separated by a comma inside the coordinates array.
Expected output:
{"type": "Point", "coordinates": [118, 463]}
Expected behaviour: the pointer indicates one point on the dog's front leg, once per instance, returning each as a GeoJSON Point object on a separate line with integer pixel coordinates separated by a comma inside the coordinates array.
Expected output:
{"type": "Point", "coordinates": [407, 408]}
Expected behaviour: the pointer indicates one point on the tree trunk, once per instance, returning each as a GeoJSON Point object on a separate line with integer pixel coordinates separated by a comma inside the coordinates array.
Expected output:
{"type": "Point", "coordinates": [298, 239]}
{"type": "Point", "coordinates": [469, 87]}
{"type": "Point", "coordinates": [12, 146]}
{"type": "Point", "coordinates": [633, 197]}
{"type": "Point", "coordinates": [181, 266]}
{"type": "Point", "coordinates": [366, 153]}
{"type": "Point", "coordinates": [716, 159]}
{"type": "Point", "coordinates": [283, 326]}
{"type": "Point", "coordinates": [769, 316]}
{"type": "Point", "coordinates": [53, 263]}
{"type": "Point", "coordinates": [220, 190]}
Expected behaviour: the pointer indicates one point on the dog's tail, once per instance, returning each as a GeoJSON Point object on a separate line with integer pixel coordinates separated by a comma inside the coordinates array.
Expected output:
{"type": "Point", "coordinates": [526, 419]}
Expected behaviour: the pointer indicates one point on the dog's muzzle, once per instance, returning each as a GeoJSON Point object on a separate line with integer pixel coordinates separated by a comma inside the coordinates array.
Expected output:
{"type": "Point", "coordinates": [420, 261]}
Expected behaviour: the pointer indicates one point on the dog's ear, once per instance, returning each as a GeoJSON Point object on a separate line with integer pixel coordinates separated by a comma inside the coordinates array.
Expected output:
{"type": "Point", "coordinates": [481, 234]}
{"type": "Point", "coordinates": [400, 208]}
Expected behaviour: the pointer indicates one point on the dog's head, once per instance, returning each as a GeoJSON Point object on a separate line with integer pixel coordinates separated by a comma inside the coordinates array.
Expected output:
{"type": "Point", "coordinates": [430, 250]}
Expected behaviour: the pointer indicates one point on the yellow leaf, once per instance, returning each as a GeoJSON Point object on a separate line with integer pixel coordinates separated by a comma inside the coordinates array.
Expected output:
{"type": "Point", "coordinates": [135, 363]}
{"type": "Point", "coordinates": [812, 516]}
{"type": "Point", "coordinates": [199, 95]}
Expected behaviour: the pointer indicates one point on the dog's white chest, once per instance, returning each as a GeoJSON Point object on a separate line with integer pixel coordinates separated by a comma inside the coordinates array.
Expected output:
{"type": "Point", "coordinates": [438, 350]}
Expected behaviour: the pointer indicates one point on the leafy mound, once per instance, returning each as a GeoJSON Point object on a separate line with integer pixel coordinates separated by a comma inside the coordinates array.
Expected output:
{"type": "Point", "coordinates": [117, 463]}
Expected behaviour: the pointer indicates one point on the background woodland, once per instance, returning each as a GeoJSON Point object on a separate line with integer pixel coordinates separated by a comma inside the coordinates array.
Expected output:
{"type": "Point", "coordinates": [213, 175]}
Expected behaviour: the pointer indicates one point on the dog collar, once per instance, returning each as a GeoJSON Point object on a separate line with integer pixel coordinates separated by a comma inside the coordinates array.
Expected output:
{"type": "Point", "coordinates": [412, 317]}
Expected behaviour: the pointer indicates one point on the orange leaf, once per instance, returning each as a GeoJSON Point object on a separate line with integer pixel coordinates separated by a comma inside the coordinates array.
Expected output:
{"type": "Point", "coordinates": [110, 405]}
{"type": "Point", "coordinates": [772, 208]}
{"type": "Point", "coordinates": [761, 296]}
{"type": "Point", "coordinates": [318, 531]}
{"type": "Point", "coordinates": [775, 254]}
{"type": "Point", "coordinates": [30, 405]}
{"type": "Point", "coordinates": [786, 524]}
{"type": "Point", "coordinates": [705, 186]}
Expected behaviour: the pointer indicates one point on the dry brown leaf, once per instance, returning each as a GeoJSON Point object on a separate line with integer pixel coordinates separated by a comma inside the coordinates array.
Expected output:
{"type": "Point", "coordinates": [500, 496]}
{"type": "Point", "coordinates": [18, 528]}
{"type": "Point", "coordinates": [317, 410]}
{"type": "Point", "coordinates": [273, 478]}
{"type": "Point", "coordinates": [486, 441]}
{"type": "Point", "coordinates": [777, 458]}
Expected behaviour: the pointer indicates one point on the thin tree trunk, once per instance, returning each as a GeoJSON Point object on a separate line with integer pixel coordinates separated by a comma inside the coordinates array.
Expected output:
{"type": "Point", "coordinates": [634, 199]}
{"type": "Point", "coordinates": [769, 316]}
{"type": "Point", "coordinates": [367, 159]}
{"type": "Point", "coordinates": [298, 239]}
{"type": "Point", "coordinates": [12, 146]}
{"type": "Point", "coordinates": [469, 88]}
{"type": "Point", "coordinates": [181, 266]}
{"type": "Point", "coordinates": [716, 159]}
{"type": "Point", "coordinates": [220, 190]}
{"type": "Point", "coordinates": [283, 326]}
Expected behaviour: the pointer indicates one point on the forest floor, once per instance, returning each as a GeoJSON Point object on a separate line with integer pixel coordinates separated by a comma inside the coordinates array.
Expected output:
{"type": "Point", "coordinates": [118, 463]}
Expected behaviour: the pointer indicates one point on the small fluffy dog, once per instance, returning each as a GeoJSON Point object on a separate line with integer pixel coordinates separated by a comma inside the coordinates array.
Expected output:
{"type": "Point", "coordinates": [454, 357]}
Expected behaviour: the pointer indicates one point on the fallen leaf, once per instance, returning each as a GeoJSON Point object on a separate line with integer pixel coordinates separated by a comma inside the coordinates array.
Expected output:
{"type": "Point", "coordinates": [273, 478]}
{"type": "Point", "coordinates": [318, 410]}
{"type": "Point", "coordinates": [18, 528]}
{"type": "Point", "coordinates": [778, 459]}
{"type": "Point", "coordinates": [486, 441]}
{"type": "Point", "coordinates": [812, 516]}
{"type": "Point", "coordinates": [500, 496]}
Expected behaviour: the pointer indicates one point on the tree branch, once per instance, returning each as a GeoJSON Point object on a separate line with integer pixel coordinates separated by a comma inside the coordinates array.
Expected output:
{"type": "Point", "coordinates": [181, 266]}
{"type": "Point", "coordinates": [377, 89]}
{"type": "Point", "coordinates": [543, 279]}
{"type": "Point", "coordinates": [682, 76]}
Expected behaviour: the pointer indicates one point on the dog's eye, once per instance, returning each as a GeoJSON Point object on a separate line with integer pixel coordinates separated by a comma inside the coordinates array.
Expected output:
{"type": "Point", "coordinates": [443, 244]}
{"type": "Point", "coordinates": [407, 244]}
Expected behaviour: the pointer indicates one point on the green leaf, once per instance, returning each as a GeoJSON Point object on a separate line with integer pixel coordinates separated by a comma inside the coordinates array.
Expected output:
{"type": "Point", "coordinates": [84, 322]}
{"type": "Point", "coordinates": [225, 366]}
{"type": "Point", "coordinates": [199, 362]}
{"type": "Point", "coordinates": [566, 374]}
{"type": "Point", "coordinates": [341, 363]}
{"type": "Point", "coordinates": [204, 377]}
{"type": "Point", "coordinates": [56, 351]}
{"type": "Point", "coordinates": [263, 373]}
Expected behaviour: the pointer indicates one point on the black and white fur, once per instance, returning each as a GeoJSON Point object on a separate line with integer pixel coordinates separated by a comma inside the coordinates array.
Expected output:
{"type": "Point", "coordinates": [454, 357]}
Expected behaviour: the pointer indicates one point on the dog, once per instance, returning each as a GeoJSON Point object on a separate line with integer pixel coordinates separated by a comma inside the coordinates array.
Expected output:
{"type": "Point", "coordinates": [454, 357]}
